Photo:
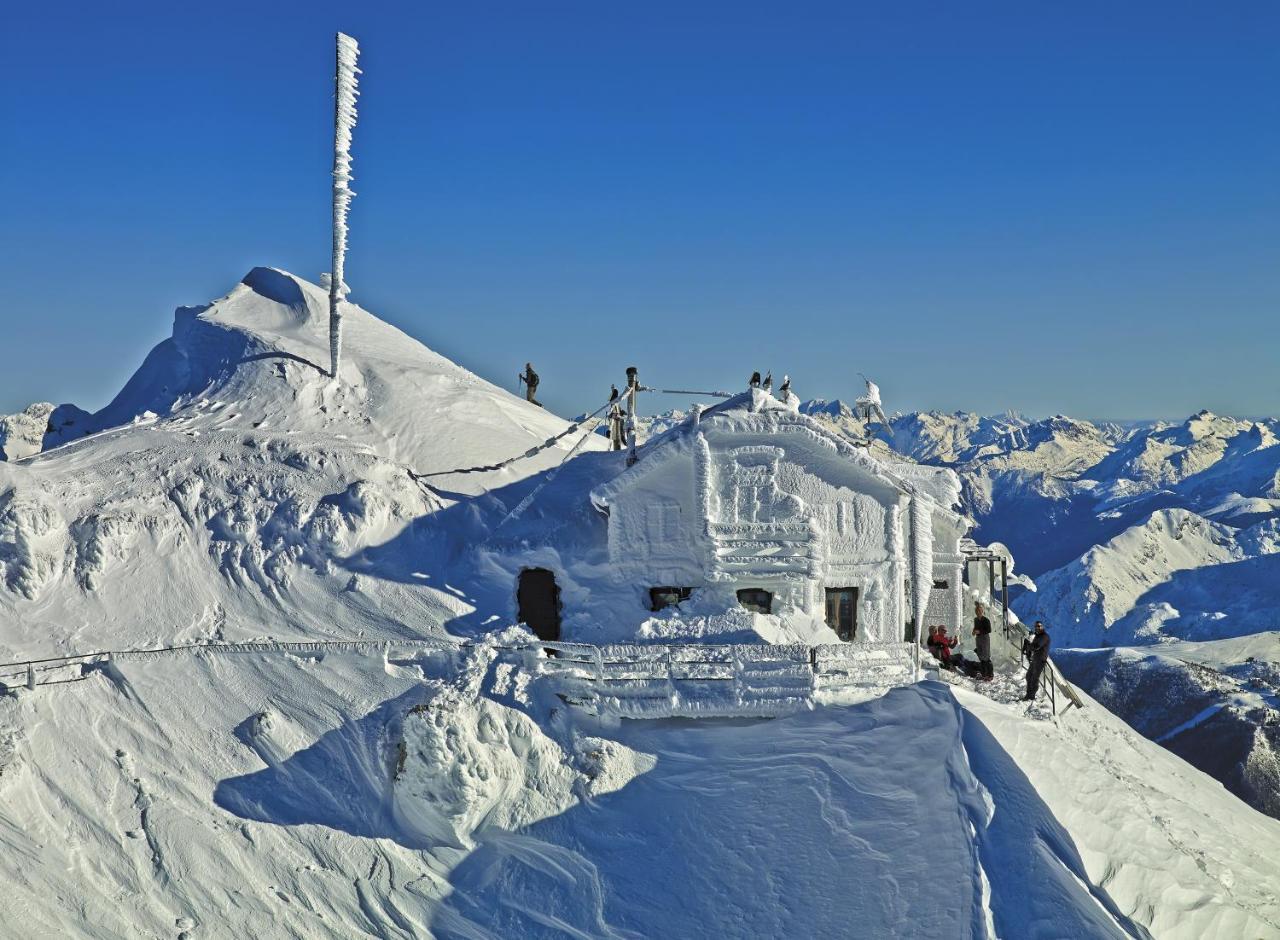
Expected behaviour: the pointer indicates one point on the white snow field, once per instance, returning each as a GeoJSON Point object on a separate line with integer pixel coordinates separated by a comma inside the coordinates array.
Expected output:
{"type": "Point", "coordinates": [408, 785]}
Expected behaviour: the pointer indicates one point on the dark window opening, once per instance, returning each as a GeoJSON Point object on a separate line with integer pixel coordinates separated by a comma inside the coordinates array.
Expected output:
{"type": "Point", "coordinates": [538, 600]}
{"type": "Point", "coordinates": [756, 600]}
{"type": "Point", "coordinates": [941, 585]}
{"type": "Point", "coordinates": [660, 597]}
{"type": "Point", "coordinates": [842, 612]}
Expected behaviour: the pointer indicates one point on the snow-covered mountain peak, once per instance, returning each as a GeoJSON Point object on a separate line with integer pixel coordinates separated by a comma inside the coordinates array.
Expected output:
{"type": "Point", "coordinates": [834, 408]}
{"type": "Point", "coordinates": [255, 359]}
{"type": "Point", "coordinates": [230, 456]}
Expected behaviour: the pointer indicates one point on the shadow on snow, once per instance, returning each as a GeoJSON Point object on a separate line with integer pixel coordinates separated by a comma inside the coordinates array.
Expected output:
{"type": "Point", "coordinates": [343, 781]}
{"type": "Point", "coordinates": [870, 818]}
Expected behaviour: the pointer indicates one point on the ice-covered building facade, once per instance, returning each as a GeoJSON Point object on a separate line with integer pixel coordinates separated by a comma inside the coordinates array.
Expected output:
{"type": "Point", "coordinates": [751, 518]}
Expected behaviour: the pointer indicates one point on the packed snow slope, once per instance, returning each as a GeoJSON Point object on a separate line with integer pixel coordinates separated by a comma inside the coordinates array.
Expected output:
{"type": "Point", "coordinates": [1216, 704]}
{"type": "Point", "coordinates": [228, 490]}
{"type": "Point", "coordinates": [347, 793]}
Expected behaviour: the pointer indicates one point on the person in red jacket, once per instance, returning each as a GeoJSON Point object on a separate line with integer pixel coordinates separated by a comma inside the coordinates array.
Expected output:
{"type": "Point", "coordinates": [945, 644]}
{"type": "Point", "coordinates": [932, 643]}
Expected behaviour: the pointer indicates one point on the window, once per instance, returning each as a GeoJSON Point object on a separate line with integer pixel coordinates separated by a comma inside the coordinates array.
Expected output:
{"type": "Point", "coordinates": [756, 600]}
{"type": "Point", "coordinates": [662, 520]}
{"type": "Point", "coordinates": [663, 597]}
{"type": "Point", "coordinates": [941, 585]}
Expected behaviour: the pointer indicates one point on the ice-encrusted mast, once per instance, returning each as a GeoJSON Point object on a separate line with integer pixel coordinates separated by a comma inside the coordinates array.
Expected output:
{"type": "Point", "coordinates": [344, 120]}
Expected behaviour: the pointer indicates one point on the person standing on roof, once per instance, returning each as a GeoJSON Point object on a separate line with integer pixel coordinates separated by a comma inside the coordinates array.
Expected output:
{"type": "Point", "coordinates": [1036, 649]}
{"type": "Point", "coordinates": [530, 380]}
{"type": "Point", "coordinates": [982, 642]}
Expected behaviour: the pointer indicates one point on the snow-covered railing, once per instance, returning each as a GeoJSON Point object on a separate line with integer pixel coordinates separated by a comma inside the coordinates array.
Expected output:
{"type": "Point", "coordinates": [33, 673]}
{"type": "Point", "coordinates": [644, 681]}
{"type": "Point", "coordinates": [627, 680]}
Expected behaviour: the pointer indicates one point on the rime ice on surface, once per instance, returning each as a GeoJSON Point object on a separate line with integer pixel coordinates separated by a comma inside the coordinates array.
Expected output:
{"type": "Point", "coordinates": [921, 514]}
{"type": "Point", "coordinates": [754, 495]}
{"type": "Point", "coordinates": [344, 121]}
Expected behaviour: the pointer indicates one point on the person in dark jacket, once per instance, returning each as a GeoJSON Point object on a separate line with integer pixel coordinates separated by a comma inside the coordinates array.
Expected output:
{"type": "Point", "coordinates": [530, 380]}
{"type": "Point", "coordinates": [982, 642]}
{"type": "Point", "coordinates": [1036, 649]}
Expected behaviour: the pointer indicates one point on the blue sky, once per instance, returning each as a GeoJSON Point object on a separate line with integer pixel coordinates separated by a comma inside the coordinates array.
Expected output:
{"type": "Point", "coordinates": [1049, 207]}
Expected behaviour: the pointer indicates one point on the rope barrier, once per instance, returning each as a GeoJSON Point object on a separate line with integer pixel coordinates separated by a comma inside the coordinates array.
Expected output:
{"type": "Point", "coordinates": [525, 503]}
{"type": "Point", "coordinates": [531, 452]}
{"type": "Point", "coordinates": [551, 441]}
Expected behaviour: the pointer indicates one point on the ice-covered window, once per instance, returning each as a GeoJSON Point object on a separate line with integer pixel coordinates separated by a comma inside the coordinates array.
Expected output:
{"type": "Point", "coordinates": [663, 522]}
{"type": "Point", "coordinates": [757, 600]}
{"type": "Point", "coordinates": [660, 597]}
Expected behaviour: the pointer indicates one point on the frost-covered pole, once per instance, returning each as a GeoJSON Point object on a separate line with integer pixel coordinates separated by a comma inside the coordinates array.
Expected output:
{"type": "Point", "coordinates": [633, 387]}
{"type": "Point", "coordinates": [344, 120]}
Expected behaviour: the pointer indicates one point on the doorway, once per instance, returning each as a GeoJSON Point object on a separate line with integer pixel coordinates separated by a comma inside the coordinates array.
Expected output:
{"type": "Point", "coordinates": [538, 601]}
{"type": "Point", "coordinates": [842, 612]}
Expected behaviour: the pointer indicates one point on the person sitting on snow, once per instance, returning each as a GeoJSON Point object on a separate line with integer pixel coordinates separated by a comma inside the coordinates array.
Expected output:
{"type": "Point", "coordinates": [941, 645]}
{"type": "Point", "coordinates": [931, 644]}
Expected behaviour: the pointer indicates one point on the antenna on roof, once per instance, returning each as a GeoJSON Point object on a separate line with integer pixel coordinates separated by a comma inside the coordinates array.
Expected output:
{"type": "Point", "coordinates": [868, 405]}
{"type": "Point", "coordinates": [344, 120]}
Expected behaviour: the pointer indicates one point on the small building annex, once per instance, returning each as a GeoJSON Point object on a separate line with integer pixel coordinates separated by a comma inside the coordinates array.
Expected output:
{"type": "Point", "coordinates": [752, 517]}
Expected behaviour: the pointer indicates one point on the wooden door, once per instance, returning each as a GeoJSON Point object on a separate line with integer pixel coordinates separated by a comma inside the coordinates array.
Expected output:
{"type": "Point", "coordinates": [842, 612]}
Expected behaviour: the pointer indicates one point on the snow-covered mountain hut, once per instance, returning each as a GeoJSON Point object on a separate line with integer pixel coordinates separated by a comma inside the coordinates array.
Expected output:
{"type": "Point", "coordinates": [750, 517]}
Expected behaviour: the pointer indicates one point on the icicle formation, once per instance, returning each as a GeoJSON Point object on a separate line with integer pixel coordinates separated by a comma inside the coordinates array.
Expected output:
{"type": "Point", "coordinates": [921, 519]}
{"type": "Point", "coordinates": [344, 120]}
